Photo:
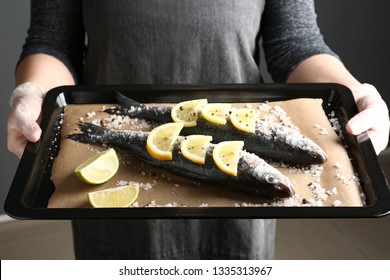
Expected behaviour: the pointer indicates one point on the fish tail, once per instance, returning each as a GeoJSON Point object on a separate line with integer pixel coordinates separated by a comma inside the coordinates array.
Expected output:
{"type": "Point", "coordinates": [125, 101]}
{"type": "Point", "coordinates": [91, 134]}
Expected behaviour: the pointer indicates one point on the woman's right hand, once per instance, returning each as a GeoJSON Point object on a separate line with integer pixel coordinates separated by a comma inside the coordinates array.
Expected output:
{"type": "Point", "coordinates": [26, 104]}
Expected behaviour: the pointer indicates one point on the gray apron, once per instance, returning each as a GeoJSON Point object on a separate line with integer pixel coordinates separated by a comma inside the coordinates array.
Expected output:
{"type": "Point", "coordinates": [169, 42]}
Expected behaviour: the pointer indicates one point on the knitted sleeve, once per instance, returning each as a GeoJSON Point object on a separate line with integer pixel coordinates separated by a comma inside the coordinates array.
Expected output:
{"type": "Point", "coordinates": [56, 28]}
{"type": "Point", "coordinates": [290, 35]}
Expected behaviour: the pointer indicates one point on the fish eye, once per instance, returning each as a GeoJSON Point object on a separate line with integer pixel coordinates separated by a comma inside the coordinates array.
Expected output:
{"type": "Point", "coordinates": [271, 179]}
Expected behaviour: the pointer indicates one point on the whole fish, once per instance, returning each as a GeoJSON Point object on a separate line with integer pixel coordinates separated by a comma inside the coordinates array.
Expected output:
{"type": "Point", "coordinates": [270, 140]}
{"type": "Point", "coordinates": [254, 175]}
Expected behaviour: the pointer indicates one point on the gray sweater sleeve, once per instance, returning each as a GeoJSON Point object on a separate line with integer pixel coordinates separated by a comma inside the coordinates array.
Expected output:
{"type": "Point", "coordinates": [56, 29]}
{"type": "Point", "coordinates": [290, 35]}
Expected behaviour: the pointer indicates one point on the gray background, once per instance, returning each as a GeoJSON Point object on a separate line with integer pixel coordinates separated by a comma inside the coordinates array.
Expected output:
{"type": "Point", "coordinates": [356, 29]}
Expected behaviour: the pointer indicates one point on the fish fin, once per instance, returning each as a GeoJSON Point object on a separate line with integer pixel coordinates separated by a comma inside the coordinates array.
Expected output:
{"type": "Point", "coordinates": [91, 134]}
{"type": "Point", "coordinates": [125, 101]}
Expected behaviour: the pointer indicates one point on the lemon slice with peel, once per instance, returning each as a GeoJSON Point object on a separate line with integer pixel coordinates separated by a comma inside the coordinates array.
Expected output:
{"type": "Point", "coordinates": [123, 196]}
{"type": "Point", "coordinates": [99, 168]}
{"type": "Point", "coordinates": [226, 155]}
{"type": "Point", "coordinates": [161, 140]}
{"type": "Point", "coordinates": [244, 119]}
{"type": "Point", "coordinates": [194, 147]}
{"type": "Point", "coordinates": [216, 112]}
{"type": "Point", "coordinates": [186, 112]}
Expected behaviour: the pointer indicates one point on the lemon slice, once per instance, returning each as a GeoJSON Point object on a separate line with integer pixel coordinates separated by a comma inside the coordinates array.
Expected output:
{"type": "Point", "coordinates": [161, 139]}
{"type": "Point", "coordinates": [186, 112]}
{"type": "Point", "coordinates": [216, 112]}
{"type": "Point", "coordinates": [194, 147]}
{"type": "Point", "coordinates": [226, 156]}
{"type": "Point", "coordinates": [99, 168]}
{"type": "Point", "coordinates": [244, 119]}
{"type": "Point", "coordinates": [123, 196]}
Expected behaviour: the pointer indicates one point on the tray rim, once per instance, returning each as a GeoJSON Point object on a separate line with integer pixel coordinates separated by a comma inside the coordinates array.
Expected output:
{"type": "Point", "coordinates": [379, 209]}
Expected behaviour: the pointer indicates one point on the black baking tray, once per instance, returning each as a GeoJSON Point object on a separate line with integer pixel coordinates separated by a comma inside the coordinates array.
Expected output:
{"type": "Point", "coordinates": [31, 188]}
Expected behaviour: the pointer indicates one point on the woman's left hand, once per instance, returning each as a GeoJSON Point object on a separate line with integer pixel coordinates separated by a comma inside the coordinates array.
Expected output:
{"type": "Point", "coordinates": [373, 116]}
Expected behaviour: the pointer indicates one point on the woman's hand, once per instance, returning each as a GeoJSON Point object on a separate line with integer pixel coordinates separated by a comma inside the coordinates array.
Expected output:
{"type": "Point", "coordinates": [26, 102]}
{"type": "Point", "coordinates": [373, 116]}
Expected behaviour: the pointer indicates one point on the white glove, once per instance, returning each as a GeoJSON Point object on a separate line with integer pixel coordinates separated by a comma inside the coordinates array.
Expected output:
{"type": "Point", "coordinates": [26, 102]}
{"type": "Point", "coordinates": [373, 116]}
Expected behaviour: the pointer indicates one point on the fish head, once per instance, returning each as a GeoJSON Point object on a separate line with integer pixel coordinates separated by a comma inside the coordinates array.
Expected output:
{"type": "Point", "coordinates": [271, 182]}
{"type": "Point", "coordinates": [314, 153]}
{"type": "Point", "coordinates": [278, 185]}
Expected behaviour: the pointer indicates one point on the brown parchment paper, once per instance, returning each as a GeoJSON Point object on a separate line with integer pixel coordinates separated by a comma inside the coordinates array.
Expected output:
{"type": "Point", "coordinates": [331, 184]}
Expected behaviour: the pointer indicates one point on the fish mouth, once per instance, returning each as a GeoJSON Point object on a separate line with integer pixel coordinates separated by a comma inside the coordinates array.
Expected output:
{"type": "Point", "coordinates": [284, 189]}
{"type": "Point", "coordinates": [319, 156]}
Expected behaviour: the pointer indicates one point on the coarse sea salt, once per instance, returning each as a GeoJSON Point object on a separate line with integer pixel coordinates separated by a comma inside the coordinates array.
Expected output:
{"type": "Point", "coordinates": [331, 192]}
{"type": "Point", "coordinates": [91, 114]}
{"type": "Point", "coordinates": [324, 131]}
{"type": "Point", "coordinates": [337, 203]}
{"type": "Point", "coordinates": [144, 186]}
{"type": "Point", "coordinates": [264, 107]}
{"type": "Point", "coordinates": [170, 204]}
{"type": "Point", "coordinates": [284, 118]}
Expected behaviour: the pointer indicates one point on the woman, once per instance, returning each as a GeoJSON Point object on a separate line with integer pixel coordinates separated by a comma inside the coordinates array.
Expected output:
{"type": "Point", "coordinates": [170, 42]}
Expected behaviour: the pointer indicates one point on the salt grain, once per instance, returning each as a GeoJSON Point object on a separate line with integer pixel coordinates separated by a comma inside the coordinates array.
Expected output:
{"type": "Point", "coordinates": [324, 131]}
{"type": "Point", "coordinates": [152, 204]}
{"type": "Point", "coordinates": [264, 107]}
{"type": "Point", "coordinates": [337, 203]}
{"type": "Point", "coordinates": [121, 183]}
{"type": "Point", "coordinates": [173, 204]}
{"type": "Point", "coordinates": [332, 191]}
{"type": "Point", "coordinates": [146, 186]}
{"type": "Point", "coordinates": [91, 114]}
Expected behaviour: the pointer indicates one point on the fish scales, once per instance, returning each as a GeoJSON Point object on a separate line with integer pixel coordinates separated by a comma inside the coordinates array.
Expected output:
{"type": "Point", "coordinates": [254, 175]}
{"type": "Point", "coordinates": [270, 140]}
